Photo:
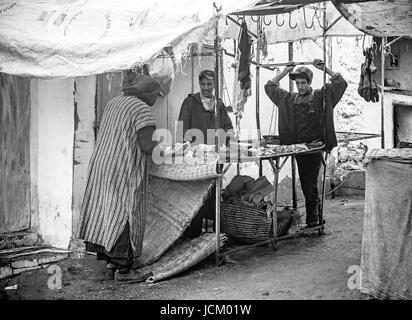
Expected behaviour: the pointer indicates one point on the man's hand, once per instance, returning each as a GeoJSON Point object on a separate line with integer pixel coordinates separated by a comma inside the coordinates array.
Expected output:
{"type": "Point", "coordinates": [289, 67]}
{"type": "Point", "coordinates": [319, 64]}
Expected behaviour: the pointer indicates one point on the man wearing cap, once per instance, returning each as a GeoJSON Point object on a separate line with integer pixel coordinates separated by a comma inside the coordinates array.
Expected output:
{"type": "Point", "coordinates": [113, 211]}
{"type": "Point", "coordinates": [303, 118]}
{"type": "Point", "coordinates": [197, 115]}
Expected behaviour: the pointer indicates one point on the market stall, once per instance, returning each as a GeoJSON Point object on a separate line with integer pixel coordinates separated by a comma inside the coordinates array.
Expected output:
{"type": "Point", "coordinates": [121, 37]}
{"type": "Point", "coordinates": [262, 14]}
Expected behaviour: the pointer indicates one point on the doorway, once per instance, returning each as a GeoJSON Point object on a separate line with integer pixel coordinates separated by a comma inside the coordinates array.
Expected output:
{"type": "Point", "coordinates": [14, 153]}
{"type": "Point", "coordinates": [402, 116]}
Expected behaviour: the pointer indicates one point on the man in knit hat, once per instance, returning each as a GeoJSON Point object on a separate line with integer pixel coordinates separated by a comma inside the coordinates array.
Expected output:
{"type": "Point", "coordinates": [303, 118]}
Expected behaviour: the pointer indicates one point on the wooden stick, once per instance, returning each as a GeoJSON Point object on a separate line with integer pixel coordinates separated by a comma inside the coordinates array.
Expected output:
{"type": "Point", "coordinates": [18, 249]}
{"type": "Point", "coordinates": [36, 251]}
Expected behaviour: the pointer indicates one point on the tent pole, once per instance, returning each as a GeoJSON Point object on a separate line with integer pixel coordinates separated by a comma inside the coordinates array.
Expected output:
{"type": "Point", "coordinates": [293, 159]}
{"type": "Point", "coordinates": [382, 92]}
{"type": "Point", "coordinates": [235, 94]}
{"type": "Point", "coordinates": [239, 25]}
{"type": "Point", "coordinates": [330, 52]}
{"type": "Point", "coordinates": [258, 43]}
{"type": "Point", "coordinates": [217, 78]}
{"type": "Point", "coordinates": [193, 74]}
{"type": "Point", "coordinates": [333, 23]}
{"type": "Point", "coordinates": [221, 75]}
{"type": "Point", "coordinates": [324, 109]}
{"type": "Point", "coordinates": [218, 169]}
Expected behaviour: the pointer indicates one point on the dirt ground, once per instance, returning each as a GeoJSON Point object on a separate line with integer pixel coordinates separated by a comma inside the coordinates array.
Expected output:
{"type": "Point", "coordinates": [303, 268]}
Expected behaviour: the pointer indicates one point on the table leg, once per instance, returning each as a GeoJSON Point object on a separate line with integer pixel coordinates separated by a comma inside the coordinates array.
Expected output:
{"type": "Point", "coordinates": [294, 197]}
{"type": "Point", "coordinates": [324, 161]}
{"type": "Point", "coordinates": [275, 199]}
{"type": "Point", "coordinates": [217, 217]}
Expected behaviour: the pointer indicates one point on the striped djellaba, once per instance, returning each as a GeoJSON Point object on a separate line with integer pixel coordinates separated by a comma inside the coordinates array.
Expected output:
{"type": "Point", "coordinates": [117, 176]}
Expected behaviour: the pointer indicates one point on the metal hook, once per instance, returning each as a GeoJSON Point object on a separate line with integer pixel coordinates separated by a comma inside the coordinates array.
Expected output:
{"type": "Point", "coordinates": [320, 24]}
{"type": "Point", "coordinates": [279, 25]}
{"type": "Point", "coordinates": [304, 16]}
{"type": "Point", "coordinates": [254, 19]}
{"type": "Point", "coordinates": [240, 18]}
{"type": "Point", "coordinates": [318, 18]}
{"type": "Point", "coordinates": [264, 21]}
{"type": "Point", "coordinates": [290, 16]}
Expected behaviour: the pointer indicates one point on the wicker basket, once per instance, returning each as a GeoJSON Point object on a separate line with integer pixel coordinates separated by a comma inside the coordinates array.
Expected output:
{"type": "Point", "coordinates": [250, 225]}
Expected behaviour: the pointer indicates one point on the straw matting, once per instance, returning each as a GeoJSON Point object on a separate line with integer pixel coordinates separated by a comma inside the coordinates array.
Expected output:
{"type": "Point", "coordinates": [184, 172]}
{"type": "Point", "coordinates": [171, 206]}
{"type": "Point", "coordinates": [183, 257]}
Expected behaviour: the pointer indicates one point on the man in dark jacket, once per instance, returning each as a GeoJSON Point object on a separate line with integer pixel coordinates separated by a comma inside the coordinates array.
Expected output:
{"type": "Point", "coordinates": [197, 116]}
{"type": "Point", "coordinates": [304, 118]}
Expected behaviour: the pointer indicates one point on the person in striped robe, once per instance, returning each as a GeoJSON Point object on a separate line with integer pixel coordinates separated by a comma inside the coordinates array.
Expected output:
{"type": "Point", "coordinates": [113, 210]}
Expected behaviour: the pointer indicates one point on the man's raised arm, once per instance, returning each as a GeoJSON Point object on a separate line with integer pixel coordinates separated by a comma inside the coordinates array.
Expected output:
{"type": "Point", "coordinates": [337, 87]}
{"type": "Point", "coordinates": [272, 89]}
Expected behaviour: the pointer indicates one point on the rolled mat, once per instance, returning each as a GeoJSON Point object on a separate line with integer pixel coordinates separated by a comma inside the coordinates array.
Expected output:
{"type": "Point", "coordinates": [182, 257]}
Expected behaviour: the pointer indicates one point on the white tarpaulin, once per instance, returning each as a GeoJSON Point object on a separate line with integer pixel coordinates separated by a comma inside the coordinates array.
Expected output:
{"type": "Point", "coordinates": [66, 38]}
{"type": "Point", "coordinates": [69, 38]}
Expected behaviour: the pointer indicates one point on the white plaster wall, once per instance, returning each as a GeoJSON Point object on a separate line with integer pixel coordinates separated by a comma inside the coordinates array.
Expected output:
{"type": "Point", "coordinates": [53, 127]}
{"type": "Point", "coordinates": [84, 117]}
{"type": "Point", "coordinates": [34, 156]}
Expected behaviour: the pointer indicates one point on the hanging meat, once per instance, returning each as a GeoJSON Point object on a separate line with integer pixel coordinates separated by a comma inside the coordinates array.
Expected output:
{"type": "Point", "coordinates": [368, 88]}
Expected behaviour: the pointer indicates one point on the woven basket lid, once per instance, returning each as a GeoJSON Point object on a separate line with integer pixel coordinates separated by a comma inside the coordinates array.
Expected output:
{"type": "Point", "coordinates": [389, 154]}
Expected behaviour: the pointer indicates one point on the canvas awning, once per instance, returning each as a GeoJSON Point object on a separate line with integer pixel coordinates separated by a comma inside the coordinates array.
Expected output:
{"type": "Point", "coordinates": [69, 38]}
{"type": "Point", "coordinates": [378, 18]}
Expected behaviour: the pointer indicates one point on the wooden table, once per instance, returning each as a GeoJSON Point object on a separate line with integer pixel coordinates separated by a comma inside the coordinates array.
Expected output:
{"type": "Point", "coordinates": [277, 162]}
